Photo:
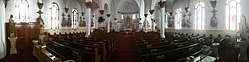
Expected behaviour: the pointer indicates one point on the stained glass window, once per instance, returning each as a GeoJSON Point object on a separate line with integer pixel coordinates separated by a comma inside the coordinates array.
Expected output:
{"type": "Point", "coordinates": [75, 18]}
{"type": "Point", "coordinates": [199, 16]}
{"type": "Point", "coordinates": [233, 14]}
{"type": "Point", "coordinates": [54, 9]}
{"type": "Point", "coordinates": [21, 11]}
{"type": "Point", "coordinates": [178, 18]}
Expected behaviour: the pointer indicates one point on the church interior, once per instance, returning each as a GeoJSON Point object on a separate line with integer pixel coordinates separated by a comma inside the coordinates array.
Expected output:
{"type": "Point", "coordinates": [124, 31]}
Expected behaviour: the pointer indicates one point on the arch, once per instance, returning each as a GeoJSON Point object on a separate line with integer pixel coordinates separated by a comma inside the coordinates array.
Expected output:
{"type": "Point", "coordinates": [125, 3]}
{"type": "Point", "coordinates": [98, 3]}
{"type": "Point", "coordinates": [154, 3]}
{"type": "Point", "coordinates": [106, 8]}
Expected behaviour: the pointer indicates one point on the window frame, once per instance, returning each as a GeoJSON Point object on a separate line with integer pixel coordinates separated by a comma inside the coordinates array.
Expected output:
{"type": "Point", "coordinates": [54, 22]}
{"type": "Point", "coordinates": [22, 15]}
{"type": "Point", "coordinates": [178, 19]}
{"type": "Point", "coordinates": [231, 13]}
{"type": "Point", "coordinates": [75, 18]}
{"type": "Point", "coordinates": [199, 12]}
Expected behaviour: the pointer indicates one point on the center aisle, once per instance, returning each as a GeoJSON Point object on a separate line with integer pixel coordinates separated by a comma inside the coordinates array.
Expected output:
{"type": "Point", "coordinates": [125, 51]}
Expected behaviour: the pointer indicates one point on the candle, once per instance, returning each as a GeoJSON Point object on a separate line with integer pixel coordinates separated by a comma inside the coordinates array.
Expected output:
{"type": "Point", "coordinates": [40, 1]}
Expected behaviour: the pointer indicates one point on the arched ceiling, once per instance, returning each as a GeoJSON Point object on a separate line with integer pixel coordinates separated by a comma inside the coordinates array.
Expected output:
{"type": "Point", "coordinates": [128, 6]}
{"type": "Point", "coordinates": [121, 5]}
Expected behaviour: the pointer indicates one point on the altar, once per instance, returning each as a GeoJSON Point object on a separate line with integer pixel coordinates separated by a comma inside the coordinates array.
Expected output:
{"type": "Point", "coordinates": [128, 24]}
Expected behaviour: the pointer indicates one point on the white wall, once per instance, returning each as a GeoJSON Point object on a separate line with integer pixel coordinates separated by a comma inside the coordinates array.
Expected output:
{"type": "Point", "coordinates": [220, 7]}
{"type": "Point", "coordinates": [33, 9]}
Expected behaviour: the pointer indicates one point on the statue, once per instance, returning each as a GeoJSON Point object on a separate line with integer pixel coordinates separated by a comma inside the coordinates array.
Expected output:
{"type": "Point", "coordinates": [11, 24]}
{"type": "Point", "coordinates": [12, 37]}
{"type": "Point", "coordinates": [40, 21]}
{"type": "Point", "coordinates": [244, 28]}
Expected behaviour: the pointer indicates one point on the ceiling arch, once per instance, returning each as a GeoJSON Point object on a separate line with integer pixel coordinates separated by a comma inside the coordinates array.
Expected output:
{"type": "Point", "coordinates": [128, 6]}
{"type": "Point", "coordinates": [106, 7]}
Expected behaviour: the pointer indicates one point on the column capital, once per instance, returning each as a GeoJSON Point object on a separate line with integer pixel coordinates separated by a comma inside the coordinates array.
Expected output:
{"type": "Point", "coordinates": [101, 12]}
{"type": "Point", "coordinates": [162, 3]}
{"type": "Point", "coordinates": [88, 4]}
{"type": "Point", "coordinates": [108, 15]}
{"type": "Point", "coordinates": [145, 15]}
{"type": "Point", "coordinates": [151, 11]}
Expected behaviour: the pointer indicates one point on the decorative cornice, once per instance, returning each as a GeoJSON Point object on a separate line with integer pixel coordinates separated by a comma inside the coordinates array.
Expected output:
{"type": "Point", "coordinates": [128, 12]}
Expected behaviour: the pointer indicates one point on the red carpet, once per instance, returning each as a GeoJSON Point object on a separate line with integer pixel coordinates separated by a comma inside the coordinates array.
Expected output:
{"type": "Point", "coordinates": [21, 56]}
{"type": "Point", "coordinates": [125, 51]}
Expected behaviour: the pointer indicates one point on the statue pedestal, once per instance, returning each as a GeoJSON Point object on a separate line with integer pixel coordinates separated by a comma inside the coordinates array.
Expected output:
{"type": "Point", "coordinates": [13, 45]}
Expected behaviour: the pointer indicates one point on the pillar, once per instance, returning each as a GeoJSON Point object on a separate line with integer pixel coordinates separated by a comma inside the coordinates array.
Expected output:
{"type": "Point", "coordinates": [96, 22]}
{"type": "Point", "coordinates": [108, 23]}
{"type": "Point", "coordinates": [88, 18]}
{"type": "Point", "coordinates": [153, 25]}
{"type": "Point", "coordinates": [145, 22]}
{"type": "Point", "coordinates": [162, 30]}
{"type": "Point", "coordinates": [2, 30]}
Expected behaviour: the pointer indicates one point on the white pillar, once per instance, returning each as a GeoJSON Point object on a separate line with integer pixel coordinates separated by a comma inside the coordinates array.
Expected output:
{"type": "Point", "coordinates": [88, 22]}
{"type": "Point", "coordinates": [159, 24]}
{"type": "Point", "coordinates": [2, 30]}
{"type": "Point", "coordinates": [152, 23]}
{"type": "Point", "coordinates": [162, 30]}
{"type": "Point", "coordinates": [96, 22]}
{"type": "Point", "coordinates": [108, 23]}
{"type": "Point", "coordinates": [145, 22]}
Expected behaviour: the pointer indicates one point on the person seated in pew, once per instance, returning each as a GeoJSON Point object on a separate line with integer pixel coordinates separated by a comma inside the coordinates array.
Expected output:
{"type": "Point", "coordinates": [225, 44]}
{"type": "Point", "coordinates": [218, 39]}
{"type": "Point", "coordinates": [208, 40]}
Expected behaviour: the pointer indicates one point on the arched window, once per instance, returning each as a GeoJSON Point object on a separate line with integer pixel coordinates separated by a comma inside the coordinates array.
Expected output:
{"type": "Point", "coordinates": [178, 18]}
{"type": "Point", "coordinates": [232, 14]}
{"type": "Point", "coordinates": [54, 14]}
{"type": "Point", "coordinates": [75, 18]}
{"type": "Point", "coordinates": [199, 16]}
{"type": "Point", "coordinates": [21, 11]}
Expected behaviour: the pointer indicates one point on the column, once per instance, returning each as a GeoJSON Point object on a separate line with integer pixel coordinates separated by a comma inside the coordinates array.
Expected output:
{"type": "Point", "coordinates": [88, 18]}
{"type": "Point", "coordinates": [96, 22]}
{"type": "Point", "coordinates": [2, 30]}
{"type": "Point", "coordinates": [162, 30]}
{"type": "Point", "coordinates": [152, 23]}
{"type": "Point", "coordinates": [145, 23]}
{"type": "Point", "coordinates": [108, 23]}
